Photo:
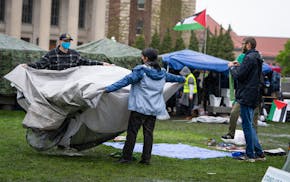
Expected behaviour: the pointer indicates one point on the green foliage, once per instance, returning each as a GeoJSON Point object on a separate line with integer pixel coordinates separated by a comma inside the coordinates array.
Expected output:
{"type": "Point", "coordinates": [212, 44]}
{"type": "Point", "coordinates": [166, 45]}
{"type": "Point", "coordinates": [220, 44]}
{"type": "Point", "coordinates": [155, 41]}
{"type": "Point", "coordinates": [193, 44]}
{"type": "Point", "coordinates": [19, 162]}
{"type": "Point", "coordinates": [227, 48]}
{"type": "Point", "coordinates": [139, 42]}
{"type": "Point", "coordinates": [170, 14]}
{"type": "Point", "coordinates": [179, 44]}
{"type": "Point", "coordinates": [283, 59]}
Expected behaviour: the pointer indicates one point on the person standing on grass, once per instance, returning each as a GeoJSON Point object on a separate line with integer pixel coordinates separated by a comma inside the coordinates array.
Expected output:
{"type": "Point", "coordinates": [189, 92]}
{"type": "Point", "coordinates": [235, 113]}
{"type": "Point", "coordinates": [145, 102]}
{"type": "Point", "coordinates": [61, 58]}
{"type": "Point", "coordinates": [248, 95]}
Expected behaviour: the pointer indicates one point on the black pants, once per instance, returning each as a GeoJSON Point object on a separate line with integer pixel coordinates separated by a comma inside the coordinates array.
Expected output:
{"type": "Point", "coordinates": [135, 122]}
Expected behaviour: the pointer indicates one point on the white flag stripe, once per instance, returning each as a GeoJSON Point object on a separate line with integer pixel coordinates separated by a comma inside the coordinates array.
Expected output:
{"type": "Point", "coordinates": [189, 20]}
{"type": "Point", "coordinates": [277, 115]}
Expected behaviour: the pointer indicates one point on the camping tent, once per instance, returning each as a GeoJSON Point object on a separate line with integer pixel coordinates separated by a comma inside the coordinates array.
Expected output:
{"type": "Point", "coordinates": [13, 52]}
{"type": "Point", "coordinates": [111, 51]}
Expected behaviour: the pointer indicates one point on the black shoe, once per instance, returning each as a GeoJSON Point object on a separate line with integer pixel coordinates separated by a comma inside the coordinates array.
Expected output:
{"type": "Point", "coordinates": [261, 157]}
{"type": "Point", "coordinates": [145, 162]}
{"type": "Point", "coordinates": [124, 161]}
{"type": "Point", "coordinates": [227, 136]}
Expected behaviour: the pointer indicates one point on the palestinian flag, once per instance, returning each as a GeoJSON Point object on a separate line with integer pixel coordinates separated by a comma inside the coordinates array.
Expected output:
{"type": "Point", "coordinates": [195, 22]}
{"type": "Point", "coordinates": [278, 111]}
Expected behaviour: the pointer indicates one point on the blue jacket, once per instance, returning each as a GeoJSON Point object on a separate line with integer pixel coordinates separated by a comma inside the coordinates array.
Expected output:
{"type": "Point", "coordinates": [146, 94]}
{"type": "Point", "coordinates": [248, 75]}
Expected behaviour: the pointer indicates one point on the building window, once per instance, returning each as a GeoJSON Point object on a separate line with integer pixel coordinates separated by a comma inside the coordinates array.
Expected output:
{"type": "Point", "coordinates": [25, 39]}
{"type": "Point", "coordinates": [54, 12]}
{"type": "Point", "coordinates": [2, 10]}
{"type": "Point", "coordinates": [82, 13]}
{"type": "Point", "coordinates": [52, 44]}
{"type": "Point", "coordinates": [141, 4]}
{"type": "Point", "coordinates": [27, 11]}
{"type": "Point", "coordinates": [139, 27]}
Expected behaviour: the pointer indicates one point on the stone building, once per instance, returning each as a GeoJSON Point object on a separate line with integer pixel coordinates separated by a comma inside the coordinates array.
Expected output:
{"type": "Point", "coordinates": [42, 21]}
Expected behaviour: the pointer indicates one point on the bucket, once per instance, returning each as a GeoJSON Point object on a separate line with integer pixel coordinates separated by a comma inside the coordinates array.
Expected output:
{"type": "Point", "coordinates": [214, 101]}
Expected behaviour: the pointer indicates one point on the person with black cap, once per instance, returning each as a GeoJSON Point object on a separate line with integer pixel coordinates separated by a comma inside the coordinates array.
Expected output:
{"type": "Point", "coordinates": [62, 57]}
{"type": "Point", "coordinates": [146, 101]}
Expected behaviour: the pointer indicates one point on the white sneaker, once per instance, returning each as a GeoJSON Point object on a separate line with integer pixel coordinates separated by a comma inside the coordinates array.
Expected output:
{"type": "Point", "coordinates": [246, 158]}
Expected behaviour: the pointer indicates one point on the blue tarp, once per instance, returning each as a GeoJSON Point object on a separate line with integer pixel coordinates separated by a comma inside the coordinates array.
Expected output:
{"type": "Point", "coordinates": [179, 151]}
{"type": "Point", "coordinates": [266, 68]}
{"type": "Point", "coordinates": [196, 60]}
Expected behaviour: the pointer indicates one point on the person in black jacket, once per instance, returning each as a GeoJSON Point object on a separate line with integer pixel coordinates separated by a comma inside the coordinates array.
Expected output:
{"type": "Point", "coordinates": [248, 95]}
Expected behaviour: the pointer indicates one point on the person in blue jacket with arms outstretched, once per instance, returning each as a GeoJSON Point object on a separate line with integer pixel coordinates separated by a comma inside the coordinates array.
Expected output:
{"type": "Point", "coordinates": [146, 101]}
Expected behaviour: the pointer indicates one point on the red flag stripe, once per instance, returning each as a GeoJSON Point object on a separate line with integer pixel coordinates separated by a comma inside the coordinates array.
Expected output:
{"type": "Point", "coordinates": [200, 18]}
{"type": "Point", "coordinates": [279, 104]}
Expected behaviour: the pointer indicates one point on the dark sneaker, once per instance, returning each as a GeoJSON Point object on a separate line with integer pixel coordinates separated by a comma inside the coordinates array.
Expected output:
{"type": "Point", "coordinates": [145, 162]}
{"type": "Point", "coordinates": [227, 136]}
{"type": "Point", "coordinates": [261, 157]}
{"type": "Point", "coordinates": [124, 161]}
{"type": "Point", "coordinates": [246, 158]}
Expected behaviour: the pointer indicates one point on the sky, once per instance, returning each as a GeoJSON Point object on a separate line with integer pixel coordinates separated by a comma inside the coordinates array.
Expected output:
{"type": "Point", "coordinates": [265, 18]}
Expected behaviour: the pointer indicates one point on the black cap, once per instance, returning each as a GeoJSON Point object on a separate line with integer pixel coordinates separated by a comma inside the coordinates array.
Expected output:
{"type": "Point", "coordinates": [65, 36]}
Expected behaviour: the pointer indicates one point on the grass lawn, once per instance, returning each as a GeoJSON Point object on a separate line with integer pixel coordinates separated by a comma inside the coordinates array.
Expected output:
{"type": "Point", "coordinates": [20, 162]}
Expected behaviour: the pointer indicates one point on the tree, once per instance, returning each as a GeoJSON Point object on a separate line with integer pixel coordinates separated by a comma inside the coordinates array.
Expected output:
{"type": "Point", "coordinates": [139, 42]}
{"type": "Point", "coordinates": [227, 48]}
{"type": "Point", "coordinates": [212, 43]}
{"type": "Point", "coordinates": [179, 44]}
{"type": "Point", "coordinates": [155, 41]}
{"type": "Point", "coordinates": [166, 45]}
{"type": "Point", "coordinates": [284, 59]}
{"type": "Point", "coordinates": [220, 44]}
{"type": "Point", "coordinates": [193, 44]}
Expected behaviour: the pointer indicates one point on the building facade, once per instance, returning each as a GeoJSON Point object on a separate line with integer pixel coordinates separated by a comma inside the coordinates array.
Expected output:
{"type": "Point", "coordinates": [42, 21]}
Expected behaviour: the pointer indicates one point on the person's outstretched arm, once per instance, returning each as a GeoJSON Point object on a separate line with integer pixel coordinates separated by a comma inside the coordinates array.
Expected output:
{"type": "Point", "coordinates": [134, 77]}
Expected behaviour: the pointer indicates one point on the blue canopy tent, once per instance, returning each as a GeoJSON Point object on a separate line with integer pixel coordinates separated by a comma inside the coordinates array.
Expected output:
{"type": "Point", "coordinates": [194, 60]}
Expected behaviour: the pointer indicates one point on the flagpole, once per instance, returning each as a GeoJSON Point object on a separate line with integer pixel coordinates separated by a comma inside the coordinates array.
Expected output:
{"type": "Point", "coordinates": [205, 35]}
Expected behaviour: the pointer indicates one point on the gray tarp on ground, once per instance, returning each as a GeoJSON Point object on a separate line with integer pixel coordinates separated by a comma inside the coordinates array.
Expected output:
{"type": "Point", "coordinates": [76, 94]}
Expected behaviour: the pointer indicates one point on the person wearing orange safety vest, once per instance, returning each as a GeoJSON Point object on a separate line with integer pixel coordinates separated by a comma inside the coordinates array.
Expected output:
{"type": "Point", "coordinates": [189, 91]}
